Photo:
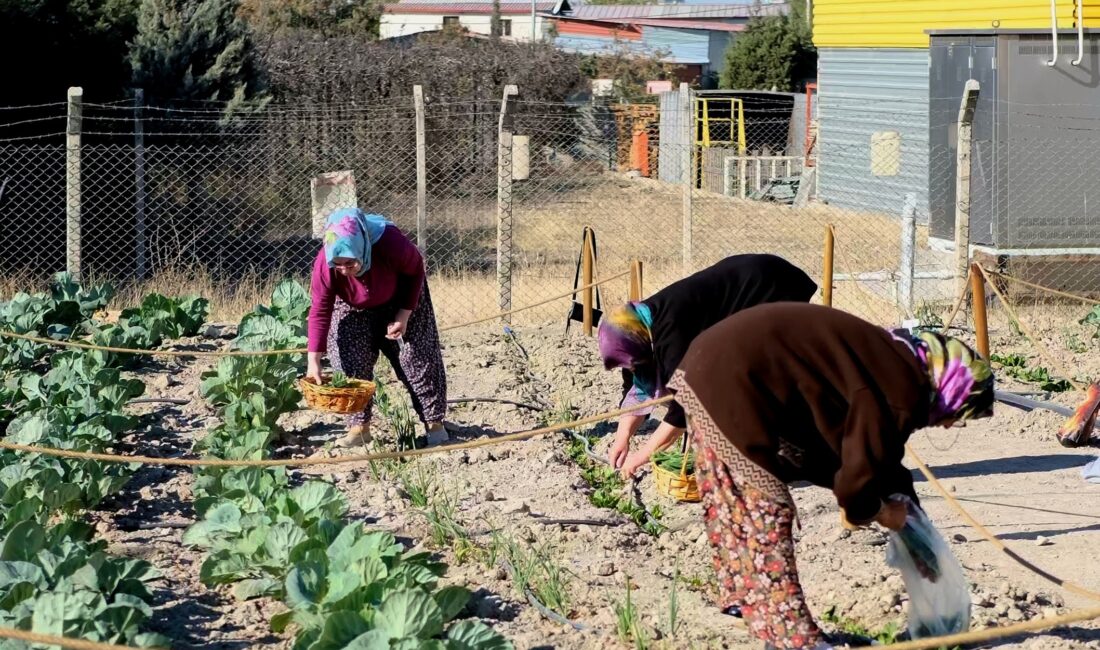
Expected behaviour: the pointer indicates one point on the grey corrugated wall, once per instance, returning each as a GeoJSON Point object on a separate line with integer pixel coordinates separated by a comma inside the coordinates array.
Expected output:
{"type": "Point", "coordinates": [863, 91]}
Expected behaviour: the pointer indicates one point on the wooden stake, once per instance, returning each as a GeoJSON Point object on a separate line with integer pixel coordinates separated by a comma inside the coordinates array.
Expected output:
{"type": "Point", "coordinates": [977, 295]}
{"type": "Point", "coordinates": [587, 270]}
{"type": "Point", "coordinates": [827, 272]}
{"type": "Point", "coordinates": [635, 280]}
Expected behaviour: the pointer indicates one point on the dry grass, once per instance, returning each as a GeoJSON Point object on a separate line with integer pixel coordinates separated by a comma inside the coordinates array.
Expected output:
{"type": "Point", "coordinates": [633, 218]}
{"type": "Point", "coordinates": [228, 301]}
{"type": "Point", "coordinates": [641, 219]}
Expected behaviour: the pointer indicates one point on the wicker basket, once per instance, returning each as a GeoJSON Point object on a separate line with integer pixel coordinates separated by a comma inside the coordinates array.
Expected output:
{"type": "Point", "coordinates": [346, 399]}
{"type": "Point", "coordinates": [678, 485]}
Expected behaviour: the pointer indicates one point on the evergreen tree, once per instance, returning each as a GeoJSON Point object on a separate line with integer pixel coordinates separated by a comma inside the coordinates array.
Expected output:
{"type": "Point", "coordinates": [49, 45]}
{"type": "Point", "coordinates": [495, 21]}
{"type": "Point", "coordinates": [773, 52]}
{"type": "Point", "coordinates": [327, 17]}
{"type": "Point", "coordinates": [187, 50]}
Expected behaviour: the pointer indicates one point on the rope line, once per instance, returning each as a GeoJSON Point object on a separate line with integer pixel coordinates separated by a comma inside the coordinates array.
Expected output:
{"type": "Point", "coordinates": [1039, 287]}
{"type": "Point", "coordinates": [259, 353]}
{"type": "Point", "coordinates": [847, 270]}
{"type": "Point", "coordinates": [339, 460]}
{"type": "Point", "coordinates": [537, 304]}
{"type": "Point", "coordinates": [1039, 347]}
{"type": "Point", "coordinates": [980, 636]}
{"type": "Point", "coordinates": [1069, 586]}
{"type": "Point", "coordinates": [950, 640]}
{"type": "Point", "coordinates": [959, 302]}
{"type": "Point", "coordinates": [920, 644]}
{"type": "Point", "coordinates": [63, 641]}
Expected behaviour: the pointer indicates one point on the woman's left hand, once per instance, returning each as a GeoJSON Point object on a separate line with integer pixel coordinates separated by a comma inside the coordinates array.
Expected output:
{"type": "Point", "coordinates": [634, 461]}
{"type": "Point", "coordinates": [396, 329]}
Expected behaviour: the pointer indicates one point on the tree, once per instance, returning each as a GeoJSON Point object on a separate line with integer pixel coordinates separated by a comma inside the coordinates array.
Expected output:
{"type": "Point", "coordinates": [629, 69]}
{"type": "Point", "coordinates": [773, 52]}
{"type": "Point", "coordinates": [49, 45]}
{"type": "Point", "coordinates": [495, 22]}
{"type": "Point", "coordinates": [188, 50]}
{"type": "Point", "coordinates": [327, 17]}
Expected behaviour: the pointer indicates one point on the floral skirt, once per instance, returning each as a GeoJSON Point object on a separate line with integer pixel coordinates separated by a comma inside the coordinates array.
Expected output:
{"type": "Point", "coordinates": [751, 534]}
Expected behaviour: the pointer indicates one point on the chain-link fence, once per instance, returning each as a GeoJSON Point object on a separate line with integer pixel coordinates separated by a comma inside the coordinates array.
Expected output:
{"type": "Point", "coordinates": [497, 193]}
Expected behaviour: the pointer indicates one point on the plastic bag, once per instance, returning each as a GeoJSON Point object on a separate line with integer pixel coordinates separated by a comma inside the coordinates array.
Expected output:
{"type": "Point", "coordinates": [939, 597]}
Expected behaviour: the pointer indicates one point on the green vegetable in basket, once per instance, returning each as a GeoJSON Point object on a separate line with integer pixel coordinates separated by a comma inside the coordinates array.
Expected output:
{"type": "Point", "coordinates": [340, 380]}
{"type": "Point", "coordinates": [673, 461]}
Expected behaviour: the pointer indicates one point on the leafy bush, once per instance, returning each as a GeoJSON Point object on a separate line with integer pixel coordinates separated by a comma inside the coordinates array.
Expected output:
{"type": "Point", "coordinates": [252, 391]}
{"type": "Point", "coordinates": [1016, 366]}
{"type": "Point", "coordinates": [773, 52]}
{"type": "Point", "coordinates": [345, 586]}
{"type": "Point", "coordinates": [364, 591]}
{"type": "Point", "coordinates": [166, 318]}
{"type": "Point", "coordinates": [289, 304]}
{"type": "Point", "coordinates": [57, 314]}
{"type": "Point", "coordinates": [54, 582]}
{"type": "Point", "coordinates": [255, 547]}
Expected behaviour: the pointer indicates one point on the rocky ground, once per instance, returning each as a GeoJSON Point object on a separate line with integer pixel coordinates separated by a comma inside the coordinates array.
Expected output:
{"type": "Point", "coordinates": [1008, 471]}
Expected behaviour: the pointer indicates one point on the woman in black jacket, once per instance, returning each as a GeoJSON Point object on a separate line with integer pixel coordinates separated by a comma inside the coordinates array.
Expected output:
{"type": "Point", "coordinates": [648, 339]}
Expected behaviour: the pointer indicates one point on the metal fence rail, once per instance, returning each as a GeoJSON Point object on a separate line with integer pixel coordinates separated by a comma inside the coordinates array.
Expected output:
{"type": "Point", "coordinates": [497, 194]}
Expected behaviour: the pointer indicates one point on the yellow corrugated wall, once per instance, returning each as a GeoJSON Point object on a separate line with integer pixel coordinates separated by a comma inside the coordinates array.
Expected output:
{"type": "Point", "coordinates": [902, 23]}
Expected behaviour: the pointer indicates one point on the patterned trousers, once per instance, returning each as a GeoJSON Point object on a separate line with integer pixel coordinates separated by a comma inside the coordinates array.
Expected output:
{"type": "Point", "coordinates": [751, 535]}
{"type": "Point", "coordinates": [358, 336]}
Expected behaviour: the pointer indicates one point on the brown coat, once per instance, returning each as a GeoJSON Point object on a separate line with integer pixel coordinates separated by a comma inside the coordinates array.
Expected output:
{"type": "Point", "coordinates": [839, 390]}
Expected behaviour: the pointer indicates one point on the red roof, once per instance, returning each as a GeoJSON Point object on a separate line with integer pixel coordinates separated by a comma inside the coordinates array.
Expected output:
{"type": "Point", "coordinates": [599, 29]}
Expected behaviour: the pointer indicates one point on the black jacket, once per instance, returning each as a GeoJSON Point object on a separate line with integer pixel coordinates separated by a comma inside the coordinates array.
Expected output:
{"type": "Point", "coordinates": [684, 309]}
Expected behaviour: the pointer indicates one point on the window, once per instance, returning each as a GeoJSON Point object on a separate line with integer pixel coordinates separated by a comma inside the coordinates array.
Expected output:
{"type": "Point", "coordinates": [450, 21]}
{"type": "Point", "coordinates": [506, 27]}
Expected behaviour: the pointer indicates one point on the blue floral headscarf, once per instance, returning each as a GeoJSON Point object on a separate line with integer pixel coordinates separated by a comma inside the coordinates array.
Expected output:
{"type": "Point", "coordinates": [350, 233]}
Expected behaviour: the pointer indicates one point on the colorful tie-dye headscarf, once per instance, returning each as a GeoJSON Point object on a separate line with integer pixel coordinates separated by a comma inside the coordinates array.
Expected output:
{"type": "Point", "coordinates": [962, 382]}
{"type": "Point", "coordinates": [350, 233]}
{"type": "Point", "coordinates": [626, 341]}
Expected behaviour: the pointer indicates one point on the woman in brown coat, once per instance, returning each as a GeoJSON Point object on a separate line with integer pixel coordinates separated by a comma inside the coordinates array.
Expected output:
{"type": "Point", "coordinates": [779, 383]}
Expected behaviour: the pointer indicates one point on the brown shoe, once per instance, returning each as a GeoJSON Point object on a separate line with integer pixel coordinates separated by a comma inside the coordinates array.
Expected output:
{"type": "Point", "coordinates": [357, 436]}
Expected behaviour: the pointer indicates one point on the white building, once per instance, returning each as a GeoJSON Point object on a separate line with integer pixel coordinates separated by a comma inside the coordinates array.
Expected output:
{"type": "Point", "coordinates": [413, 16]}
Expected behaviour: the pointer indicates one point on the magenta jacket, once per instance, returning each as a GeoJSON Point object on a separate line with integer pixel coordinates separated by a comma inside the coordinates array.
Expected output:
{"type": "Point", "coordinates": [396, 277]}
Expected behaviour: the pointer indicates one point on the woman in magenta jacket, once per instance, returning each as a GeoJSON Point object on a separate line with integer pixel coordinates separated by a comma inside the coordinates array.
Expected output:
{"type": "Point", "coordinates": [370, 296]}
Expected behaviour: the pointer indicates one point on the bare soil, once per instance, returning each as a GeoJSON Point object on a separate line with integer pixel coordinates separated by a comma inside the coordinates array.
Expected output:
{"type": "Point", "coordinates": [1009, 471]}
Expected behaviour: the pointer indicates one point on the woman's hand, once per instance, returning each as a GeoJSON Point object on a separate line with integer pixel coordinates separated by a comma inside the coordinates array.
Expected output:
{"type": "Point", "coordinates": [661, 438]}
{"type": "Point", "coordinates": [892, 515]}
{"type": "Point", "coordinates": [396, 329]}
{"type": "Point", "coordinates": [634, 462]}
{"type": "Point", "coordinates": [620, 448]}
{"type": "Point", "coordinates": [313, 367]}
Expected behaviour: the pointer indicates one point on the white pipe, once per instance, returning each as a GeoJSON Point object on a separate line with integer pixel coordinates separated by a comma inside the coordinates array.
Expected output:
{"type": "Point", "coordinates": [1080, 33]}
{"type": "Point", "coordinates": [1053, 33]}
